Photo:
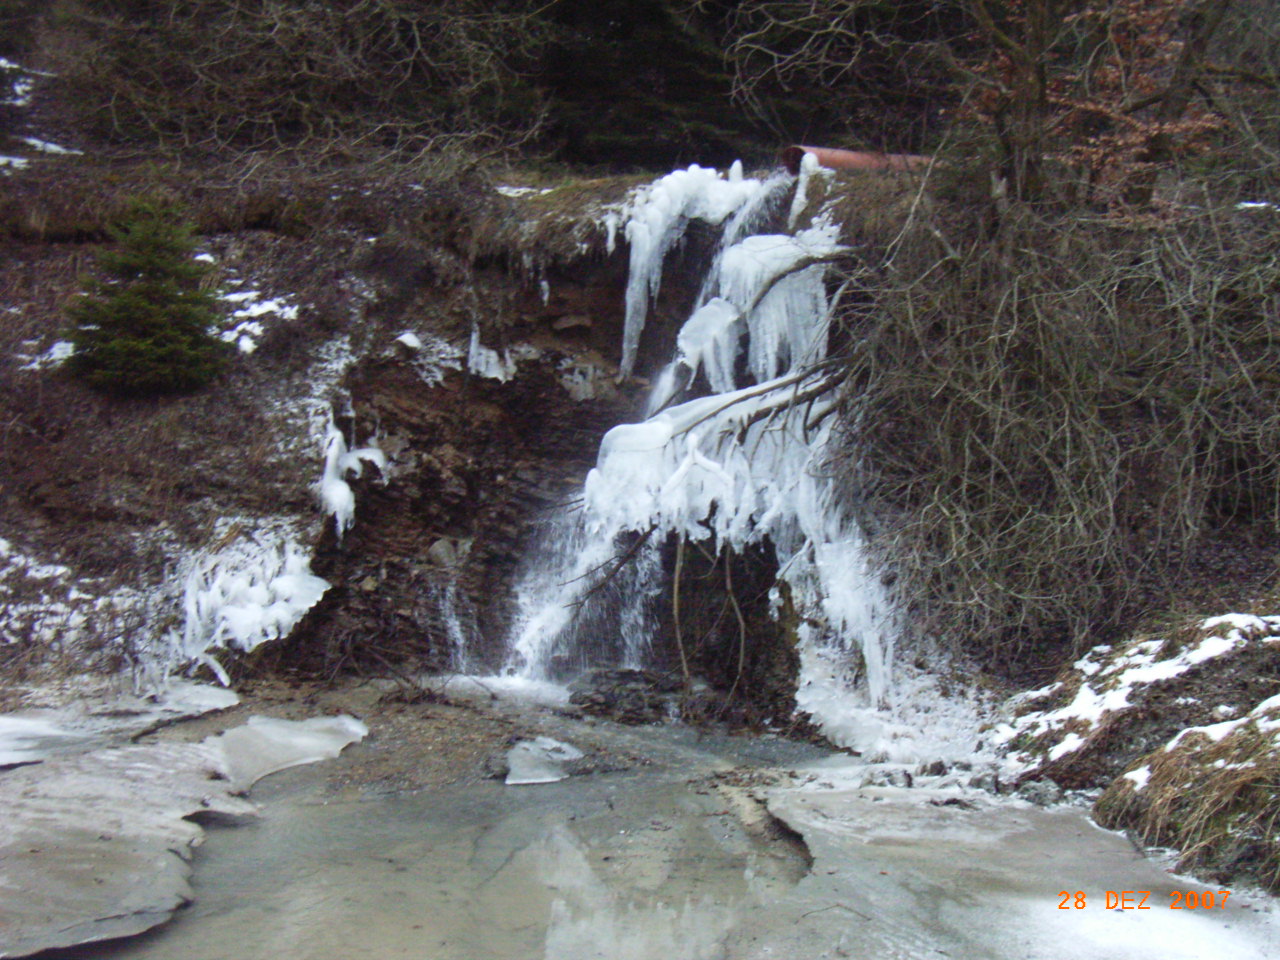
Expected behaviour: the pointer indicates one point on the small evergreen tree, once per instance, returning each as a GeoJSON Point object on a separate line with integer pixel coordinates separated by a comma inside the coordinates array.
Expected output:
{"type": "Point", "coordinates": [145, 327]}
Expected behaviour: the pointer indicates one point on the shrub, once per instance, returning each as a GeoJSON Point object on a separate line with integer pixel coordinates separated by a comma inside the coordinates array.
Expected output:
{"type": "Point", "coordinates": [144, 329]}
{"type": "Point", "coordinates": [1045, 421]}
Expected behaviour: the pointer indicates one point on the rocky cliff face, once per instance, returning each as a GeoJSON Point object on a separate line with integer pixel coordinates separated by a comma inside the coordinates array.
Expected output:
{"type": "Point", "coordinates": [473, 338]}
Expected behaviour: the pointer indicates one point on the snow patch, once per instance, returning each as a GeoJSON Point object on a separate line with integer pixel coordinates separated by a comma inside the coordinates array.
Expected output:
{"type": "Point", "coordinates": [1108, 681]}
{"type": "Point", "coordinates": [244, 325]}
{"type": "Point", "coordinates": [1139, 777]}
{"type": "Point", "coordinates": [44, 146]}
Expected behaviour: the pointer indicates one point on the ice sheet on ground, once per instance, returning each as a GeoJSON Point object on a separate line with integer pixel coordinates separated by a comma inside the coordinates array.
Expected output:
{"type": "Point", "coordinates": [919, 873]}
{"type": "Point", "coordinates": [265, 745]}
{"type": "Point", "coordinates": [99, 718]}
{"type": "Point", "coordinates": [30, 739]}
{"type": "Point", "coordinates": [101, 842]}
{"type": "Point", "coordinates": [540, 760]}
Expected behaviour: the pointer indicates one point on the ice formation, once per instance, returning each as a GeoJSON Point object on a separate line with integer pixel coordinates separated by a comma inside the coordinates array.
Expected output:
{"type": "Point", "coordinates": [731, 452]}
{"type": "Point", "coordinates": [241, 597]}
{"type": "Point", "coordinates": [335, 493]}
{"type": "Point", "coordinates": [104, 836]}
{"type": "Point", "coordinates": [540, 760]}
{"type": "Point", "coordinates": [486, 362]}
{"type": "Point", "coordinates": [656, 221]}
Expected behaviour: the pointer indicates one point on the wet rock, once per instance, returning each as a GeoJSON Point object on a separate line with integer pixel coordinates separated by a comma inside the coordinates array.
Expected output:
{"type": "Point", "coordinates": [627, 696]}
{"type": "Point", "coordinates": [1043, 793]}
{"type": "Point", "coordinates": [985, 780]}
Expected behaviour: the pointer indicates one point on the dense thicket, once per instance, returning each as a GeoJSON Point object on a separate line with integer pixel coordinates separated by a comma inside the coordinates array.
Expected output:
{"type": "Point", "coordinates": [1061, 413]}
{"type": "Point", "coordinates": [611, 82]}
{"type": "Point", "coordinates": [616, 83]}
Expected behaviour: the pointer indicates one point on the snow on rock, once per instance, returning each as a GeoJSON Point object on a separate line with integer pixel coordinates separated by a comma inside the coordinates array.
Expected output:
{"type": "Point", "coordinates": [103, 836]}
{"type": "Point", "coordinates": [410, 340]}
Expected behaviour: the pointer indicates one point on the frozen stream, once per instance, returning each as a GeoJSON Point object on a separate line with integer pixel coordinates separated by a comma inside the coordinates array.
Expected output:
{"type": "Point", "coordinates": [672, 859]}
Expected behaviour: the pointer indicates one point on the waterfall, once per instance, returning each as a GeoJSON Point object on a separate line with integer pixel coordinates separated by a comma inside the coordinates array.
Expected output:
{"type": "Point", "coordinates": [732, 452]}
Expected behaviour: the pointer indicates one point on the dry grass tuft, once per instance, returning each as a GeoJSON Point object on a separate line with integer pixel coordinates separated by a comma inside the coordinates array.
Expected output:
{"type": "Point", "coordinates": [1216, 800]}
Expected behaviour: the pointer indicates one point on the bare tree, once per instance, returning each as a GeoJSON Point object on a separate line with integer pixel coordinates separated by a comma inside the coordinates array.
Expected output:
{"type": "Point", "coordinates": [1108, 91]}
{"type": "Point", "coordinates": [357, 74]}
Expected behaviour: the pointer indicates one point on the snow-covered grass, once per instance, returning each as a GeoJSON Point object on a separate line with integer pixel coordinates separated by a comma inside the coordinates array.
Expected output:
{"type": "Point", "coordinates": [48, 615]}
{"type": "Point", "coordinates": [1213, 792]}
{"type": "Point", "coordinates": [1109, 682]}
{"type": "Point", "coordinates": [54, 356]}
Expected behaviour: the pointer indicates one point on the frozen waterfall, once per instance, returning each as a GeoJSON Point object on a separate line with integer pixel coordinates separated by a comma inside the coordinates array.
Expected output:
{"type": "Point", "coordinates": [730, 453]}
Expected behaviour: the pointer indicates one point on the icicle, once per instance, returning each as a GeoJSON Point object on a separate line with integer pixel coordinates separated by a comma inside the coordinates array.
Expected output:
{"type": "Point", "coordinates": [657, 221]}
{"type": "Point", "coordinates": [335, 493]}
{"type": "Point", "coordinates": [486, 362]}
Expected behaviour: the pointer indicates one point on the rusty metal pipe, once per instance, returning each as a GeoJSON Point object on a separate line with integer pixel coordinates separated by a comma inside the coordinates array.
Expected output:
{"type": "Point", "coordinates": [835, 159]}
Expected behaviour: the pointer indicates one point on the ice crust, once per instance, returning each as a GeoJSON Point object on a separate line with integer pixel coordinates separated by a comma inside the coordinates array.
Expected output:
{"type": "Point", "coordinates": [103, 836]}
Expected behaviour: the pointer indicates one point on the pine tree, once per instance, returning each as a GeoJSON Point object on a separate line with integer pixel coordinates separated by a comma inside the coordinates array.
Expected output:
{"type": "Point", "coordinates": [145, 327]}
